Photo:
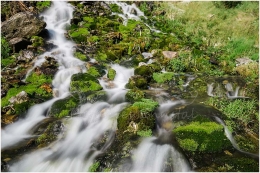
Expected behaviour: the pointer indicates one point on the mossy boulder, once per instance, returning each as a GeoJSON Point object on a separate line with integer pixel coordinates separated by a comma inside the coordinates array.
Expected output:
{"type": "Point", "coordinates": [64, 107]}
{"type": "Point", "coordinates": [111, 74]}
{"type": "Point", "coordinates": [138, 117]}
{"type": "Point", "coordinates": [202, 137]}
{"type": "Point", "coordinates": [143, 70]}
{"type": "Point", "coordinates": [95, 96]}
{"type": "Point", "coordinates": [50, 134]}
{"type": "Point", "coordinates": [83, 82]}
{"type": "Point", "coordinates": [137, 82]}
{"type": "Point", "coordinates": [134, 95]}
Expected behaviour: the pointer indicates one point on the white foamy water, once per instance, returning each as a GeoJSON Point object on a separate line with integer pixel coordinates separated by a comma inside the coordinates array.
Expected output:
{"type": "Point", "coordinates": [150, 157]}
{"type": "Point", "coordinates": [116, 89]}
{"type": "Point", "coordinates": [76, 152]}
{"type": "Point", "coordinates": [57, 18]}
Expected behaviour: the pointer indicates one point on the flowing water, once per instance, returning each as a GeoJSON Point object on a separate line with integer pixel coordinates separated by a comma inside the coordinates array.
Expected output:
{"type": "Point", "coordinates": [92, 131]}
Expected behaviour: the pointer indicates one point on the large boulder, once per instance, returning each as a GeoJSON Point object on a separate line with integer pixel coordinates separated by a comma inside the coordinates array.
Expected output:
{"type": "Point", "coordinates": [21, 27]}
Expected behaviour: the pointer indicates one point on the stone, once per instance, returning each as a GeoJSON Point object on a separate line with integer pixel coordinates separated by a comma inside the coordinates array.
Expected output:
{"type": "Point", "coordinates": [170, 54]}
{"type": "Point", "coordinates": [26, 56]}
{"type": "Point", "coordinates": [243, 61]}
{"type": "Point", "coordinates": [22, 25]}
{"type": "Point", "coordinates": [19, 98]}
{"type": "Point", "coordinates": [147, 55]}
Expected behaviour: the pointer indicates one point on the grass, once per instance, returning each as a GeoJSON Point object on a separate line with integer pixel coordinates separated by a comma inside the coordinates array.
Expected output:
{"type": "Point", "coordinates": [234, 30]}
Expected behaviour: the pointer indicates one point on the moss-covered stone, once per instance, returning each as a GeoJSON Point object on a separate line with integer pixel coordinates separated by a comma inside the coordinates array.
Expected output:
{"type": "Point", "coordinates": [136, 82]}
{"type": "Point", "coordinates": [83, 82]}
{"type": "Point", "coordinates": [64, 107]}
{"type": "Point", "coordinates": [202, 137]}
{"type": "Point", "coordinates": [134, 95]}
{"type": "Point", "coordinates": [37, 41]}
{"type": "Point", "coordinates": [143, 70]}
{"type": "Point", "coordinates": [138, 117]}
{"type": "Point", "coordinates": [111, 74]}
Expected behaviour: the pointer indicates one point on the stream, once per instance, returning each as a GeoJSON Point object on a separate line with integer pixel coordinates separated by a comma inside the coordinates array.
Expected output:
{"type": "Point", "coordinates": [77, 148]}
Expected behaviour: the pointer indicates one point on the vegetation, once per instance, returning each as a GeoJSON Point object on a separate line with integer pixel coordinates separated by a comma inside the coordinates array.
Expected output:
{"type": "Point", "coordinates": [41, 5]}
{"type": "Point", "coordinates": [202, 137]}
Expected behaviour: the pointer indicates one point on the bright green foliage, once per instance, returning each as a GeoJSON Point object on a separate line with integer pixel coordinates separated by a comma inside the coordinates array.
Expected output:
{"type": "Point", "coordinates": [7, 61]}
{"type": "Point", "coordinates": [163, 77]}
{"type": "Point", "coordinates": [33, 87]}
{"type": "Point", "coordinates": [80, 56]}
{"type": "Point", "coordinates": [37, 41]}
{"type": "Point", "coordinates": [94, 72]}
{"type": "Point", "coordinates": [5, 48]}
{"type": "Point", "coordinates": [41, 5]}
{"type": "Point", "coordinates": [202, 137]}
{"type": "Point", "coordinates": [145, 133]}
{"type": "Point", "coordinates": [79, 35]}
{"type": "Point", "coordinates": [84, 82]}
{"type": "Point", "coordinates": [111, 74]}
{"type": "Point", "coordinates": [134, 95]}
{"type": "Point", "coordinates": [101, 57]}
{"type": "Point", "coordinates": [94, 167]}
{"type": "Point", "coordinates": [93, 39]}
{"type": "Point", "coordinates": [146, 105]}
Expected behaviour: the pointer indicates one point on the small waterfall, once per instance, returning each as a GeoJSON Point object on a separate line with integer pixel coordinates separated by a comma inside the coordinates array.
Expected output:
{"type": "Point", "coordinates": [232, 140]}
{"type": "Point", "coordinates": [116, 89]}
{"type": "Point", "coordinates": [84, 141]}
{"type": "Point", "coordinates": [57, 18]}
{"type": "Point", "coordinates": [156, 154]}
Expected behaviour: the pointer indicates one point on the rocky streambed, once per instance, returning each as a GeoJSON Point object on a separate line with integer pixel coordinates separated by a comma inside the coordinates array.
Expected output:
{"type": "Point", "coordinates": [104, 86]}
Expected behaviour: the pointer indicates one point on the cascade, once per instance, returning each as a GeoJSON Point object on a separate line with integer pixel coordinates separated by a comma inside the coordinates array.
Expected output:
{"type": "Point", "coordinates": [91, 130]}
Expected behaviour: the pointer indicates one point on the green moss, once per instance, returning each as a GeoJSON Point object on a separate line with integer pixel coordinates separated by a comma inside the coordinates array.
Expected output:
{"type": "Point", "coordinates": [202, 137]}
{"type": "Point", "coordinates": [37, 41]}
{"type": "Point", "coordinates": [7, 61]}
{"type": "Point", "coordinates": [146, 105]}
{"type": "Point", "coordinates": [5, 49]}
{"type": "Point", "coordinates": [94, 167]}
{"type": "Point", "coordinates": [79, 35]}
{"type": "Point", "coordinates": [102, 57]}
{"type": "Point", "coordinates": [134, 95]}
{"type": "Point", "coordinates": [143, 70]}
{"type": "Point", "coordinates": [163, 77]}
{"type": "Point", "coordinates": [115, 8]}
{"type": "Point", "coordinates": [41, 5]}
{"type": "Point", "coordinates": [137, 115]}
{"type": "Point", "coordinates": [136, 82]}
{"type": "Point", "coordinates": [83, 82]}
{"type": "Point", "coordinates": [64, 107]}
{"type": "Point", "coordinates": [145, 133]}
{"type": "Point", "coordinates": [80, 56]}
{"type": "Point", "coordinates": [94, 72]}
{"type": "Point", "coordinates": [111, 74]}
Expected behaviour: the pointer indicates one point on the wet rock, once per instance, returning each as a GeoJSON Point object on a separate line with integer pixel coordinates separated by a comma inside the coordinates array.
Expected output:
{"type": "Point", "coordinates": [22, 25]}
{"type": "Point", "coordinates": [19, 98]}
{"type": "Point", "coordinates": [169, 54]}
{"type": "Point", "coordinates": [25, 56]}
